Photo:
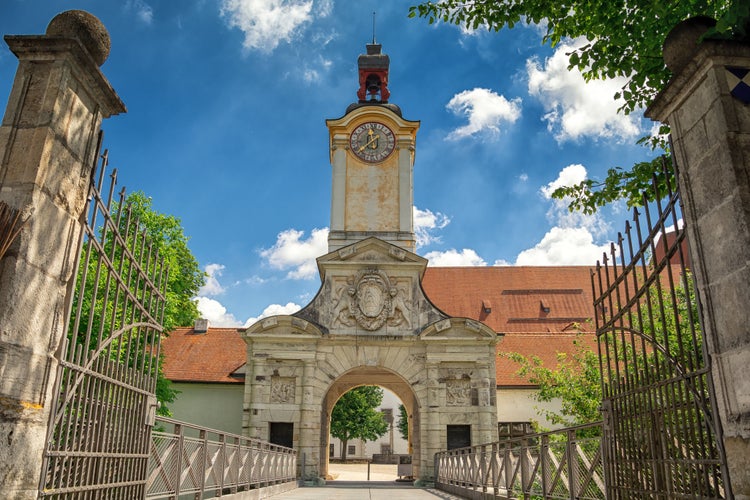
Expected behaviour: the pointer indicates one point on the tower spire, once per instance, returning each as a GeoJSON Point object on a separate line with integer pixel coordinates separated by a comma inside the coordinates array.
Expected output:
{"type": "Point", "coordinates": [373, 72]}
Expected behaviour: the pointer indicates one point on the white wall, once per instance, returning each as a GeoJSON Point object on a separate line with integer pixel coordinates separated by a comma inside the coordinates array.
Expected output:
{"type": "Point", "coordinates": [218, 406]}
{"type": "Point", "coordinates": [519, 405]}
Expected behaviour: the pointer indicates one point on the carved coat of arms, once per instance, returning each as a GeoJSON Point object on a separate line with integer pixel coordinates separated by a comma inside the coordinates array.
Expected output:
{"type": "Point", "coordinates": [370, 300]}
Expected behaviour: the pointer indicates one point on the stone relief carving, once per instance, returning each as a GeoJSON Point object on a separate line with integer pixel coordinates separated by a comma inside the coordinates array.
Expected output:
{"type": "Point", "coordinates": [400, 311]}
{"type": "Point", "coordinates": [483, 393]}
{"type": "Point", "coordinates": [282, 389]}
{"type": "Point", "coordinates": [458, 393]}
{"type": "Point", "coordinates": [370, 300]}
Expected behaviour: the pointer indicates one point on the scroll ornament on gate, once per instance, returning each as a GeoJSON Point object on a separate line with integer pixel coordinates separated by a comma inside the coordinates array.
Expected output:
{"type": "Point", "coordinates": [370, 300]}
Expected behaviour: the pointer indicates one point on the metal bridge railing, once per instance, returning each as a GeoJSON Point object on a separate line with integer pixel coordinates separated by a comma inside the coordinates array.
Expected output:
{"type": "Point", "coordinates": [564, 464]}
{"type": "Point", "coordinates": [187, 459]}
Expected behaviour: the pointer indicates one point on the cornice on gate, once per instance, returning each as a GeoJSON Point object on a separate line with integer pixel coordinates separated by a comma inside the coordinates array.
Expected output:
{"type": "Point", "coordinates": [370, 250]}
{"type": "Point", "coordinates": [459, 329]}
{"type": "Point", "coordinates": [283, 326]}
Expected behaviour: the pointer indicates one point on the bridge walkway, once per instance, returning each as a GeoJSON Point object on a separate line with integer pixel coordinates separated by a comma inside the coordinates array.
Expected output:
{"type": "Point", "coordinates": [350, 483]}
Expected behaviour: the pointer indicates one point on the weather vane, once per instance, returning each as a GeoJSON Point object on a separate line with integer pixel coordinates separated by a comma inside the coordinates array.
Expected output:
{"type": "Point", "coordinates": [373, 27]}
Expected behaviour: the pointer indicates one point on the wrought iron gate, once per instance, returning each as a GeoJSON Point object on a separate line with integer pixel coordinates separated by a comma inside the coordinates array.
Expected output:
{"type": "Point", "coordinates": [100, 428]}
{"type": "Point", "coordinates": [662, 437]}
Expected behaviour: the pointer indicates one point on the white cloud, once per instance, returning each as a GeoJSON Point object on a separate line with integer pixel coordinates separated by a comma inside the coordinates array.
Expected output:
{"type": "Point", "coordinates": [485, 110]}
{"type": "Point", "coordinates": [312, 74]}
{"type": "Point", "coordinates": [523, 177]}
{"type": "Point", "coordinates": [143, 11]}
{"type": "Point", "coordinates": [568, 176]}
{"type": "Point", "coordinates": [266, 23]}
{"type": "Point", "coordinates": [425, 221]}
{"type": "Point", "coordinates": [297, 254]}
{"type": "Point", "coordinates": [559, 215]}
{"type": "Point", "coordinates": [576, 108]}
{"type": "Point", "coordinates": [275, 310]}
{"type": "Point", "coordinates": [570, 246]}
{"type": "Point", "coordinates": [454, 258]}
{"type": "Point", "coordinates": [324, 8]}
{"type": "Point", "coordinates": [216, 313]}
{"type": "Point", "coordinates": [212, 285]}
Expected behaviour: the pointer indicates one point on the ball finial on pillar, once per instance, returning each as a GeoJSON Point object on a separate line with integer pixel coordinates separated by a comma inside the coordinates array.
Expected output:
{"type": "Point", "coordinates": [85, 27]}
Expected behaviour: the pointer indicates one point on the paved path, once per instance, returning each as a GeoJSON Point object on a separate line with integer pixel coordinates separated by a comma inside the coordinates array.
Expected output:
{"type": "Point", "coordinates": [362, 490]}
{"type": "Point", "coordinates": [351, 483]}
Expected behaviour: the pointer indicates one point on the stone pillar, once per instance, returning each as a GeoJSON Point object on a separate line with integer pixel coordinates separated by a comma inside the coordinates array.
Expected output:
{"type": "Point", "coordinates": [47, 151]}
{"type": "Point", "coordinates": [405, 147]}
{"type": "Point", "coordinates": [309, 425]}
{"type": "Point", "coordinates": [430, 428]}
{"type": "Point", "coordinates": [710, 122]}
{"type": "Point", "coordinates": [339, 145]}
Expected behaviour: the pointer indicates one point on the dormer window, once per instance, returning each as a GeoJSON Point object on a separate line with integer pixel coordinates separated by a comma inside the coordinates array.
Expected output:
{"type": "Point", "coordinates": [544, 306]}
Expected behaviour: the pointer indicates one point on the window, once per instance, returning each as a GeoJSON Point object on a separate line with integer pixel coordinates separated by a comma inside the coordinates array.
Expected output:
{"type": "Point", "coordinates": [507, 430]}
{"type": "Point", "coordinates": [459, 436]}
{"type": "Point", "coordinates": [385, 449]}
{"type": "Point", "coordinates": [351, 450]}
{"type": "Point", "coordinates": [331, 450]}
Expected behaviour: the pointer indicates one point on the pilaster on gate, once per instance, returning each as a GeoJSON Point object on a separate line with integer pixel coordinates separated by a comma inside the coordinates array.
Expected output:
{"type": "Point", "coordinates": [707, 106]}
{"type": "Point", "coordinates": [48, 148]}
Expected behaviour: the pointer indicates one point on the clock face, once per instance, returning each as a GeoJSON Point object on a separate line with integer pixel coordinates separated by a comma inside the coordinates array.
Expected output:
{"type": "Point", "coordinates": [372, 142]}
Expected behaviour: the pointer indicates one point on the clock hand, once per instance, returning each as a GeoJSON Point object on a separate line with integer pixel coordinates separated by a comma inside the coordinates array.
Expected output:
{"type": "Point", "coordinates": [372, 140]}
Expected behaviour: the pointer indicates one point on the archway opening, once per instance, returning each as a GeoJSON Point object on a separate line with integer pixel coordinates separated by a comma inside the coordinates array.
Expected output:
{"type": "Point", "coordinates": [402, 394]}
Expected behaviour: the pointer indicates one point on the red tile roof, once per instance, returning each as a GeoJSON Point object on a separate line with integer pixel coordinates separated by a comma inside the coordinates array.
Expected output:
{"type": "Point", "coordinates": [523, 299]}
{"type": "Point", "coordinates": [203, 357]}
{"type": "Point", "coordinates": [539, 309]}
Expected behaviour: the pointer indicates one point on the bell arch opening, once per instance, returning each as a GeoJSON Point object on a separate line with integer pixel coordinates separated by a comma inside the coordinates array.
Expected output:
{"type": "Point", "coordinates": [371, 376]}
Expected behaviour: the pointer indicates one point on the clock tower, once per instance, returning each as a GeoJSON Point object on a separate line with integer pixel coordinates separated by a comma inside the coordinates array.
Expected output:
{"type": "Point", "coordinates": [372, 156]}
{"type": "Point", "coordinates": [370, 323]}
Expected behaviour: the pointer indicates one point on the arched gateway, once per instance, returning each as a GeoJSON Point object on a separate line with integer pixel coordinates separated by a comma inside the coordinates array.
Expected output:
{"type": "Point", "coordinates": [371, 323]}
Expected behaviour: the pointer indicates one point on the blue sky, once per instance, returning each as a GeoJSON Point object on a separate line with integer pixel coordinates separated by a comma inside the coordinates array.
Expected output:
{"type": "Point", "coordinates": [225, 129]}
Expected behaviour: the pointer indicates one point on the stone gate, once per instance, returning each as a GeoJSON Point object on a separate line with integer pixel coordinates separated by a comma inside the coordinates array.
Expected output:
{"type": "Point", "coordinates": [371, 323]}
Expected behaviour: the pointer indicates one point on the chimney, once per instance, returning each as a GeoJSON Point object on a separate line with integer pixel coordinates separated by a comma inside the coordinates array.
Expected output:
{"type": "Point", "coordinates": [201, 325]}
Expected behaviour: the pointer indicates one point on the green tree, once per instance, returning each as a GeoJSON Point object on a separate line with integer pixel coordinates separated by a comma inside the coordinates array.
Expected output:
{"type": "Point", "coordinates": [575, 382]}
{"type": "Point", "coordinates": [403, 422]}
{"type": "Point", "coordinates": [354, 416]}
{"type": "Point", "coordinates": [185, 275]}
{"type": "Point", "coordinates": [622, 40]}
{"type": "Point", "coordinates": [184, 278]}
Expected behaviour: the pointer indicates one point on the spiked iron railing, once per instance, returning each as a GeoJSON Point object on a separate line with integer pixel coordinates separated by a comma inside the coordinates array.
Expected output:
{"type": "Point", "coordinates": [661, 435]}
{"type": "Point", "coordinates": [187, 459]}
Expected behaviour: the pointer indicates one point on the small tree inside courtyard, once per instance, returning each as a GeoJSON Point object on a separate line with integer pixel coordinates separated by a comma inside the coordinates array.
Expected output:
{"type": "Point", "coordinates": [403, 422]}
{"type": "Point", "coordinates": [355, 417]}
